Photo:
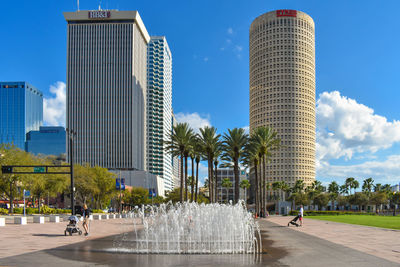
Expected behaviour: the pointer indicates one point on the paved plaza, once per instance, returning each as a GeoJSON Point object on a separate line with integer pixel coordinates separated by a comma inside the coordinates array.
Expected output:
{"type": "Point", "coordinates": [318, 243]}
{"type": "Point", "coordinates": [380, 242]}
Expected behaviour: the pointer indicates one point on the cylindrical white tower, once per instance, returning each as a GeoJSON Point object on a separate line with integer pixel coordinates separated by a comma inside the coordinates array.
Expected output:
{"type": "Point", "coordinates": [282, 90]}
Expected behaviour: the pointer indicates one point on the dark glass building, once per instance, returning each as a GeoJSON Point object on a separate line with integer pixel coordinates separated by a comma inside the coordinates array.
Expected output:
{"type": "Point", "coordinates": [49, 140]}
{"type": "Point", "coordinates": [21, 111]}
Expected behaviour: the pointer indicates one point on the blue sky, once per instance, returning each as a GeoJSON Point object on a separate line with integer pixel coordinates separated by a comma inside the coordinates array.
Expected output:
{"type": "Point", "coordinates": [357, 55]}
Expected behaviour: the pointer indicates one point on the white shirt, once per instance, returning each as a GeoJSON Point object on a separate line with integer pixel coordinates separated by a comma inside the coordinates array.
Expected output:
{"type": "Point", "coordinates": [301, 212]}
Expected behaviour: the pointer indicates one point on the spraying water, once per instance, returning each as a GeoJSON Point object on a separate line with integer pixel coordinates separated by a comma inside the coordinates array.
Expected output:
{"type": "Point", "coordinates": [190, 228]}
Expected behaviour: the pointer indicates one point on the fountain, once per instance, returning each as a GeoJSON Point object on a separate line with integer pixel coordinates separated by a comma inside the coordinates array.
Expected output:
{"type": "Point", "coordinates": [191, 228]}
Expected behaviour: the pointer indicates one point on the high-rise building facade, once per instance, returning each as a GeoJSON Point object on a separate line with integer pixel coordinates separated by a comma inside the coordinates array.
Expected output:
{"type": "Point", "coordinates": [159, 109]}
{"type": "Point", "coordinates": [282, 90]}
{"type": "Point", "coordinates": [49, 140]}
{"type": "Point", "coordinates": [228, 194]}
{"type": "Point", "coordinates": [21, 111]}
{"type": "Point", "coordinates": [106, 87]}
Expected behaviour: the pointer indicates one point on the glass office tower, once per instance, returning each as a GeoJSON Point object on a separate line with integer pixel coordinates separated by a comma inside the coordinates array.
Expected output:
{"type": "Point", "coordinates": [49, 140]}
{"type": "Point", "coordinates": [21, 111]}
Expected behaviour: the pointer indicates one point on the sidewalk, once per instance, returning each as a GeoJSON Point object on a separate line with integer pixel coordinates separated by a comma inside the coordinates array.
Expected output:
{"type": "Point", "coordinates": [380, 242]}
{"type": "Point", "coordinates": [20, 239]}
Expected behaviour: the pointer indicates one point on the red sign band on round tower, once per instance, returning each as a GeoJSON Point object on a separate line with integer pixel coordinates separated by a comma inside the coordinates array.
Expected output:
{"type": "Point", "coordinates": [286, 13]}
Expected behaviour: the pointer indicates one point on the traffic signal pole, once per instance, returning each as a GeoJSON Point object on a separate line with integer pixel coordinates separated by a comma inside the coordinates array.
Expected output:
{"type": "Point", "coordinates": [71, 135]}
{"type": "Point", "coordinates": [71, 162]}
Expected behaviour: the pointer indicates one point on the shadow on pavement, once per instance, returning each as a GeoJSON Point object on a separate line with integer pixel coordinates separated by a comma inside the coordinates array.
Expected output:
{"type": "Point", "coordinates": [48, 235]}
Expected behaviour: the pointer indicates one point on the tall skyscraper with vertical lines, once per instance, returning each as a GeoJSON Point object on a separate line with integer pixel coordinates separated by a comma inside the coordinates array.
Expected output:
{"type": "Point", "coordinates": [282, 90]}
{"type": "Point", "coordinates": [106, 87]}
{"type": "Point", "coordinates": [159, 108]}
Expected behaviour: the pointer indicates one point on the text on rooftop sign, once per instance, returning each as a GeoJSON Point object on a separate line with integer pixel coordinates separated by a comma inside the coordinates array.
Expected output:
{"type": "Point", "coordinates": [286, 13]}
{"type": "Point", "coordinates": [99, 14]}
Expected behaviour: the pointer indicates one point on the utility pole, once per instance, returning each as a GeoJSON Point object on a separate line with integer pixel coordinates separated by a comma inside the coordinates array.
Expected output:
{"type": "Point", "coordinates": [120, 192]}
{"type": "Point", "coordinates": [71, 135]}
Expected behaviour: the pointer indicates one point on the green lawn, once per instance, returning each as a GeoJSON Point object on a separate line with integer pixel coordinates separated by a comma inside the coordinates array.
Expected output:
{"type": "Point", "coordinates": [368, 220]}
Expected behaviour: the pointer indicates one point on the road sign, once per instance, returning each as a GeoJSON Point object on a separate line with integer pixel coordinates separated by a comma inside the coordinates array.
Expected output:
{"type": "Point", "coordinates": [6, 169]}
{"type": "Point", "coordinates": [38, 169]}
{"type": "Point", "coordinates": [152, 193]}
{"type": "Point", "coordinates": [27, 193]}
{"type": "Point", "coordinates": [122, 183]}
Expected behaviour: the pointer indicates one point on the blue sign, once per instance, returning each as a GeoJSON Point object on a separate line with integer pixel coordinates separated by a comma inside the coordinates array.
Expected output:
{"type": "Point", "coordinates": [27, 193]}
{"type": "Point", "coordinates": [152, 193]}
{"type": "Point", "coordinates": [122, 184]}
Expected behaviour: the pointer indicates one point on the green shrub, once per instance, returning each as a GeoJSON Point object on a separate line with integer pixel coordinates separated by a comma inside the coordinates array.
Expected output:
{"type": "Point", "coordinates": [3, 211]}
{"type": "Point", "coordinates": [328, 212]}
{"type": "Point", "coordinates": [31, 210]}
{"type": "Point", "coordinates": [18, 210]}
{"type": "Point", "coordinates": [46, 210]}
{"type": "Point", "coordinates": [97, 211]}
{"type": "Point", "coordinates": [62, 211]}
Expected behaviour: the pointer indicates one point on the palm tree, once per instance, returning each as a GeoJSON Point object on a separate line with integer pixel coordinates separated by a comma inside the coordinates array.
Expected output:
{"type": "Point", "coordinates": [367, 186]}
{"type": "Point", "coordinates": [216, 178]}
{"type": "Point", "coordinates": [282, 186]}
{"type": "Point", "coordinates": [226, 183]}
{"type": "Point", "coordinates": [333, 190]}
{"type": "Point", "coordinates": [233, 146]}
{"type": "Point", "coordinates": [251, 159]}
{"type": "Point", "coordinates": [197, 153]}
{"type": "Point", "coordinates": [267, 141]}
{"type": "Point", "coordinates": [377, 187]}
{"type": "Point", "coordinates": [209, 140]}
{"type": "Point", "coordinates": [297, 189]}
{"type": "Point", "coordinates": [355, 185]}
{"type": "Point", "coordinates": [177, 144]}
{"type": "Point", "coordinates": [245, 184]}
{"type": "Point", "coordinates": [285, 188]}
{"type": "Point", "coordinates": [314, 189]}
{"type": "Point", "coordinates": [192, 154]}
{"type": "Point", "coordinates": [344, 189]}
{"type": "Point", "coordinates": [352, 183]}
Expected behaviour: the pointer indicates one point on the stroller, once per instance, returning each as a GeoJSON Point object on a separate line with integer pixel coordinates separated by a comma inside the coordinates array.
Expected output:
{"type": "Point", "coordinates": [72, 226]}
{"type": "Point", "coordinates": [294, 221]}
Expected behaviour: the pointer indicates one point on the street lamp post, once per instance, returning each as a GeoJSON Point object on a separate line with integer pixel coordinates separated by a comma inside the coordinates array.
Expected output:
{"type": "Point", "coordinates": [71, 135]}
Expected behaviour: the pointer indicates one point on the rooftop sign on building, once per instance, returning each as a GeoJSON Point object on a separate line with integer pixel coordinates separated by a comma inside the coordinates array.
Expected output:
{"type": "Point", "coordinates": [99, 14]}
{"type": "Point", "coordinates": [286, 13]}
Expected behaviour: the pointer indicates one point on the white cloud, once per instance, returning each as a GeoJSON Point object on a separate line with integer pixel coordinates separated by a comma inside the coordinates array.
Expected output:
{"type": "Point", "coordinates": [230, 30]}
{"type": "Point", "coordinates": [246, 129]}
{"type": "Point", "coordinates": [345, 127]}
{"type": "Point", "coordinates": [194, 120]}
{"type": "Point", "coordinates": [384, 171]}
{"type": "Point", "coordinates": [54, 107]}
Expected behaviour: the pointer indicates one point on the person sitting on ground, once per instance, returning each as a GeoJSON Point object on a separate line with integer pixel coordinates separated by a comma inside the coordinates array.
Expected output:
{"type": "Point", "coordinates": [86, 214]}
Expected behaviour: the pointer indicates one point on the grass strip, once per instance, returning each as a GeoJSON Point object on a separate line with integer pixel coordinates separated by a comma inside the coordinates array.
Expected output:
{"type": "Point", "coordinates": [389, 222]}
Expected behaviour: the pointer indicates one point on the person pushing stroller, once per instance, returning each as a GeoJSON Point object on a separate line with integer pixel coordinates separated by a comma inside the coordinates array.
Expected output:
{"type": "Point", "coordinates": [298, 217]}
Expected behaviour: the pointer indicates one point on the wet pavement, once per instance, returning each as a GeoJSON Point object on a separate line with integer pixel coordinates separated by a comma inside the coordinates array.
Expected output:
{"type": "Point", "coordinates": [282, 246]}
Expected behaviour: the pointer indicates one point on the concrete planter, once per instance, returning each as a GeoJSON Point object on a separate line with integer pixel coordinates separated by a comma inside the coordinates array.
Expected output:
{"type": "Point", "coordinates": [104, 217]}
{"type": "Point", "coordinates": [55, 219]}
{"type": "Point", "coordinates": [2, 221]}
{"type": "Point", "coordinates": [97, 217]}
{"type": "Point", "coordinates": [20, 220]}
{"type": "Point", "coordinates": [91, 217]}
{"type": "Point", "coordinates": [38, 219]}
